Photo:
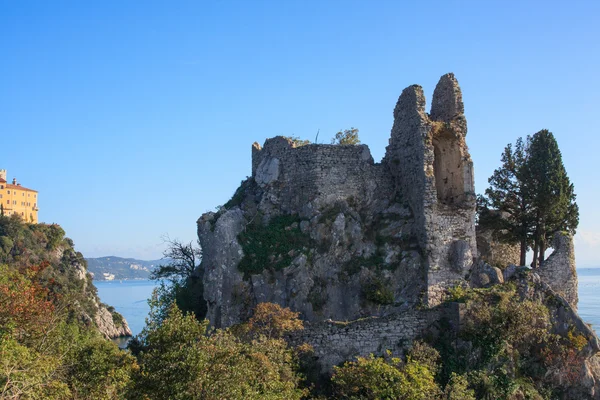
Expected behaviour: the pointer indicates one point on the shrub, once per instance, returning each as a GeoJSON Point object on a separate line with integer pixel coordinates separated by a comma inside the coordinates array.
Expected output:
{"type": "Point", "coordinates": [271, 246]}
{"type": "Point", "coordinates": [378, 378]}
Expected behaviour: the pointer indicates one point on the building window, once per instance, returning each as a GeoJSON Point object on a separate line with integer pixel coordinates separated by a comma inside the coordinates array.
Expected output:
{"type": "Point", "coordinates": [9, 192]}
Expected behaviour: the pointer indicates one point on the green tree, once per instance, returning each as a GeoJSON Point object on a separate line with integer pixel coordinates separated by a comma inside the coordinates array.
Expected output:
{"type": "Point", "coordinates": [181, 261]}
{"type": "Point", "coordinates": [379, 378]}
{"type": "Point", "coordinates": [347, 136]}
{"type": "Point", "coordinates": [182, 270]}
{"type": "Point", "coordinates": [506, 207]}
{"type": "Point", "coordinates": [552, 194]}
{"type": "Point", "coordinates": [530, 196]}
{"type": "Point", "coordinates": [213, 365]}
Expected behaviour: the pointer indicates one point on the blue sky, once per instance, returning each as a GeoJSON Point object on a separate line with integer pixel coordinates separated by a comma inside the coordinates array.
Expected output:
{"type": "Point", "coordinates": [134, 118]}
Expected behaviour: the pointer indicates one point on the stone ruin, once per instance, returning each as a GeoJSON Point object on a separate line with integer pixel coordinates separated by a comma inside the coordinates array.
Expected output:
{"type": "Point", "coordinates": [379, 243]}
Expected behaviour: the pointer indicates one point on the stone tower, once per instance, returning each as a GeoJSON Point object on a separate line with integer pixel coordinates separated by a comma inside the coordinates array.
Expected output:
{"type": "Point", "coordinates": [429, 160]}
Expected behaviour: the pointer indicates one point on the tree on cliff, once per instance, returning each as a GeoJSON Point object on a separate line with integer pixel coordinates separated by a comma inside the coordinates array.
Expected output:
{"type": "Point", "coordinates": [185, 287]}
{"type": "Point", "coordinates": [551, 192]}
{"type": "Point", "coordinates": [182, 259]}
{"type": "Point", "coordinates": [506, 207]}
{"type": "Point", "coordinates": [530, 196]}
{"type": "Point", "coordinates": [347, 136]}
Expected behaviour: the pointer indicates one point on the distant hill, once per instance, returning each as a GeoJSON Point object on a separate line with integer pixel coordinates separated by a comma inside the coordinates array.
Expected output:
{"type": "Point", "coordinates": [118, 268]}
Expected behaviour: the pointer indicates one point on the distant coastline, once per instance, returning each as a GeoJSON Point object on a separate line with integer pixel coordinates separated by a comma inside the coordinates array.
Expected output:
{"type": "Point", "coordinates": [113, 268]}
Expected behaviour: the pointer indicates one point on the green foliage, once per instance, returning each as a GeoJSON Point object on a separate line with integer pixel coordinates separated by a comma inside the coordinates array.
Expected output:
{"type": "Point", "coordinates": [211, 366]}
{"type": "Point", "coordinates": [506, 207]}
{"type": "Point", "coordinates": [498, 321]}
{"type": "Point", "coordinates": [374, 262]}
{"type": "Point", "coordinates": [99, 370]}
{"type": "Point", "coordinates": [46, 354]}
{"type": "Point", "coordinates": [317, 296]}
{"type": "Point", "coordinates": [296, 141]}
{"type": "Point", "coordinates": [377, 290]}
{"type": "Point", "coordinates": [272, 246]}
{"type": "Point", "coordinates": [552, 194]}
{"type": "Point", "coordinates": [346, 137]}
{"type": "Point", "coordinates": [240, 192]}
{"type": "Point", "coordinates": [379, 378]}
{"type": "Point", "coordinates": [530, 196]}
{"type": "Point", "coordinates": [458, 389]}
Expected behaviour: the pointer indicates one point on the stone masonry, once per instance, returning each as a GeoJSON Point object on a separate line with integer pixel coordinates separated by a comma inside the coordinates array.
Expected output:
{"type": "Point", "coordinates": [429, 159]}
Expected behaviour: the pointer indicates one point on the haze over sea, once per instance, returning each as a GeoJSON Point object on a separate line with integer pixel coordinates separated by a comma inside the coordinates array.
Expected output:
{"type": "Point", "coordinates": [130, 298]}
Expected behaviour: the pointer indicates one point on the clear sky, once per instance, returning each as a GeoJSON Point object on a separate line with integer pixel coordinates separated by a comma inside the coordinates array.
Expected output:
{"type": "Point", "coordinates": [133, 118]}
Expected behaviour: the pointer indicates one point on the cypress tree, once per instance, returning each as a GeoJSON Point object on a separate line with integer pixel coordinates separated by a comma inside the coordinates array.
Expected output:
{"type": "Point", "coordinates": [552, 195]}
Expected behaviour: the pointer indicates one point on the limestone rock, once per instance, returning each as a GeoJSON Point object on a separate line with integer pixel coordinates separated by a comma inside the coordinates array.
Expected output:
{"type": "Point", "coordinates": [108, 327]}
{"type": "Point", "coordinates": [559, 271]}
{"type": "Point", "coordinates": [484, 275]}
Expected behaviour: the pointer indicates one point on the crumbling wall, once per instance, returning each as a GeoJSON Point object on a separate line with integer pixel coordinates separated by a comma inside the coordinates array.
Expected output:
{"type": "Point", "coordinates": [428, 157]}
{"type": "Point", "coordinates": [495, 252]}
{"type": "Point", "coordinates": [559, 271]}
{"type": "Point", "coordinates": [337, 342]}
{"type": "Point", "coordinates": [317, 175]}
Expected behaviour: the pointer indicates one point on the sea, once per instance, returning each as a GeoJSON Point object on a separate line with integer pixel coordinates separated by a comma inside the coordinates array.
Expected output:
{"type": "Point", "coordinates": [130, 298]}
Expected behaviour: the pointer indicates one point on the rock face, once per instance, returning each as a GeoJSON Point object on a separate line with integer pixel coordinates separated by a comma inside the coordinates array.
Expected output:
{"type": "Point", "coordinates": [110, 326]}
{"type": "Point", "coordinates": [110, 323]}
{"type": "Point", "coordinates": [559, 270]}
{"type": "Point", "coordinates": [328, 232]}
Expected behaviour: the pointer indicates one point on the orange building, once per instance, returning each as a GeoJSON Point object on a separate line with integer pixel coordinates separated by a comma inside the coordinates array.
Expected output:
{"type": "Point", "coordinates": [16, 199]}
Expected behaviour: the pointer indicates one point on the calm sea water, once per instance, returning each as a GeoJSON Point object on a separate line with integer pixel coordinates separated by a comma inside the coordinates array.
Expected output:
{"type": "Point", "coordinates": [130, 298]}
{"type": "Point", "coordinates": [589, 296]}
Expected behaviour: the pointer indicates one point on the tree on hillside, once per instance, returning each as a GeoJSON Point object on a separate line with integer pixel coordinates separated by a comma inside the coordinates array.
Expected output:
{"type": "Point", "coordinates": [185, 287]}
{"type": "Point", "coordinates": [530, 196]}
{"type": "Point", "coordinates": [347, 136]}
{"type": "Point", "coordinates": [181, 261]}
{"type": "Point", "coordinates": [552, 193]}
{"type": "Point", "coordinates": [506, 207]}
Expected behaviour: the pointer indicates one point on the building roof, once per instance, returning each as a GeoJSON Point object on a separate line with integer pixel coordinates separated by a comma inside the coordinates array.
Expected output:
{"type": "Point", "coordinates": [19, 187]}
{"type": "Point", "coordinates": [2, 180]}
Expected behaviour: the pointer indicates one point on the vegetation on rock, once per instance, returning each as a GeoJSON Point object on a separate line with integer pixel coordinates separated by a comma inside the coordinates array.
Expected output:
{"type": "Point", "coordinates": [530, 196]}
{"type": "Point", "coordinates": [272, 246]}
{"type": "Point", "coordinates": [346, 137]}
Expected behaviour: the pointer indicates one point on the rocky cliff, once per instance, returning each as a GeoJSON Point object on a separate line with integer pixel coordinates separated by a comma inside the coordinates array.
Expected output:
{"type": "Point", "coordinates": [327, 231]}
{"type": "Point", "coordinates": [62, 271]}
{"type": "Point", "coordinates": [372, 254]}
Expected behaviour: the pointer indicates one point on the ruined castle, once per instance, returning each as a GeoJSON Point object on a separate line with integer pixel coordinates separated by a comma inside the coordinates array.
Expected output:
{"type": "Point", "coordinates": [328, 232]}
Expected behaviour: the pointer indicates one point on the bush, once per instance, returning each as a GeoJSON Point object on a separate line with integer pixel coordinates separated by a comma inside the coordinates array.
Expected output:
{"type": "Point", "coordinates": [273, 246]}
{"type": "Point", "coordinates": [378, 378]}
{"type": "Point", "coordinates": [180, 361]}
{"type": "Point", "coordinates": [346, 137]}
{"type": "Point", "coordinates": [376, 290]}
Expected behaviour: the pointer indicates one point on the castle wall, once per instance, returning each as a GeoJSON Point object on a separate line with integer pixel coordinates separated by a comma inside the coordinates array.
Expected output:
{"type": "Point", "coordinates": [337, 342]}
{"type": "Point", "coordinates": [428, 157]}
{"type": "Point", "coordinates": [318, 174]}
{"type": "Point", "coordinates": [494, 252]}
